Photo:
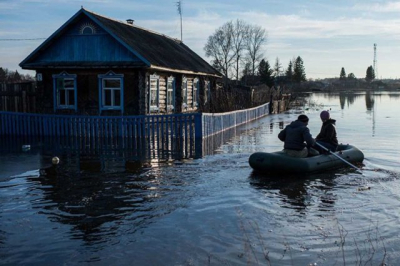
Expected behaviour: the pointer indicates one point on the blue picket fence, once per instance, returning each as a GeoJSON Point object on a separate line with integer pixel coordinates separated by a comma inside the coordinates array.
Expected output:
{"type": "Point", "coordinates": [182, 133]}
{"type": "Point", "coordinates": [23, 124]}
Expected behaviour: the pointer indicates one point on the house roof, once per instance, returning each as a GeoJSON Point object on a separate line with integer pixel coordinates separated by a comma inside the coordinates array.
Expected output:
{"type": "Point", "coordinates": [155, 50]}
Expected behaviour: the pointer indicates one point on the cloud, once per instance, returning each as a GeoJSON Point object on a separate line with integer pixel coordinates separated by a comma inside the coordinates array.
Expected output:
{"type": "Point", "coordinates": [379, 7]}
{"type": "Point", "coordinates": [294, 26]}
{"type": "Point", "coordinates": [310, 31]}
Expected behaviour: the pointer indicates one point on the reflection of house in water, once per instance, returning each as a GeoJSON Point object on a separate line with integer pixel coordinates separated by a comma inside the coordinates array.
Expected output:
{"type": "Point", "coordinates": [98, 205]}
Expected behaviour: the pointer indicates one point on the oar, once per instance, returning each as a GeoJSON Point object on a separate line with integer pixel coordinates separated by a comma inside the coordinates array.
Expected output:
{"type": "Point", "coordinates": [331, 152]}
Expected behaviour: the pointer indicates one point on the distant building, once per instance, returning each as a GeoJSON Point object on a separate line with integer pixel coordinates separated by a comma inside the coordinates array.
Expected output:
{"type": "Point", "coordinates": [96, 65]}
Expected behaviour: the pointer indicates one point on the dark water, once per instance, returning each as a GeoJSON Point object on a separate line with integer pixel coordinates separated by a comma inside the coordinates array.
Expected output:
{"type": "Point", "coordinates": [112, 210]}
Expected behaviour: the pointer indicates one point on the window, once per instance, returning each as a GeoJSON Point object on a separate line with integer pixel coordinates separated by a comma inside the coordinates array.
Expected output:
{"type": "Point", "coordinates": [154, 93]}
{"type": "Point", "coordinates": [206, 90]}
{"type": "Point", "coordinates": [87, 28]}
{"type": "Point", "coordinates": [184, 93]}
{"type": "Point", "coordinates": [65, 93]}
{"type": "Point", "coordinates": [111, 91]}
{"type": "Point", "coordinates": [207, 93]}
{"type": "Point", "coordinates": [170, 94]}
{"type": "Point", "coordinates": [195, 92]}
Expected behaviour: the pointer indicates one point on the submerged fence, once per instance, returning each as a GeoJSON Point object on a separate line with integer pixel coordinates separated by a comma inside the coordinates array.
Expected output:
{"type": "Point", "coordinates": [176, 134]}
{"type": "Point", "coordinates": [218, 122]}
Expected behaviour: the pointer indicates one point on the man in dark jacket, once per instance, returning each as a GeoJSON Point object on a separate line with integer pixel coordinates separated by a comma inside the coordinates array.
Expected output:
{"type": "Point", "coordinates": [327, 136]}
{"type": "Point", "coordinates": [297, 138]}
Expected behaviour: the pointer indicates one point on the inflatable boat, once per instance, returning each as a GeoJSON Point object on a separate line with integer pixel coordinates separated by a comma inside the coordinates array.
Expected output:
{"type": "Point", "coordinates": [280, 162]}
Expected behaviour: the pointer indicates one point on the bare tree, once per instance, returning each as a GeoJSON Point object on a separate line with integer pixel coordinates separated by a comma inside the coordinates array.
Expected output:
{"type": "Point", "coordinates": [219, 48]}
{"type": "Point", "coordinates": [239, 37]}
{"type": "Point", "coordinates": [230, 42]}
{"type": "Point", "coordinates": [256, 38]}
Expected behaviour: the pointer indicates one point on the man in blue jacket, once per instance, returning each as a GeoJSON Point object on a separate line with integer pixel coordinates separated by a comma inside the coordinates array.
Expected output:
{"type": "Point", "coordinates": [297, 138]}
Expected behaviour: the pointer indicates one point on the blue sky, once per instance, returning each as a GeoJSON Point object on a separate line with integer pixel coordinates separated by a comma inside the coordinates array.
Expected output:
{"type": "Point", "coordinates": [328, 35]}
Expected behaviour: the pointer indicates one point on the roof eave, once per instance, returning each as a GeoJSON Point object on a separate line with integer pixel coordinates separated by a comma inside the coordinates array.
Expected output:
{"type": "Point", "coordinates": [189, 72]}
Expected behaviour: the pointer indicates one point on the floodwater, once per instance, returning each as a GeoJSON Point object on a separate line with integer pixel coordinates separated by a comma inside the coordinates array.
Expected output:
{"type": "Point", "coordinates": [213, 210]}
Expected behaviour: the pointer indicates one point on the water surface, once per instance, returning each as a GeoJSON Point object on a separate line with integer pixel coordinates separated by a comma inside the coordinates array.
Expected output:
{"type": "Point", "coordinates": [113, 210]}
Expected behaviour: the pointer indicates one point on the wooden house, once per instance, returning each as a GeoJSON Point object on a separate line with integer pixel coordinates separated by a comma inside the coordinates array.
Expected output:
{"type": "Point", "coordinates": [94, 65]}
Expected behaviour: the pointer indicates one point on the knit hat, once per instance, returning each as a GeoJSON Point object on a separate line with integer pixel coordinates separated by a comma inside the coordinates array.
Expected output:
{"type": "Point", "coordinates": [324, 115]}
{"type": "Point", "coordinates": [303, 118]}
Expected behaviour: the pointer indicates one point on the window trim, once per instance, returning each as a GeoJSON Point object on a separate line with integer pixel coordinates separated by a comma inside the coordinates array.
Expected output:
{"type": "Point", "coordinates": [185, 93]}
{"type": "Point", "coordinates": [156, 108]}
{"type": "Point", "coordinates": [171, 107]}
{"type": "Point", "coordinates": [111, 76]}
{"type": "Point", "coordinates": [207, 88]}
{"type": "Point", "coordinates": [195, 92]}
{"type": "Point", "coordinates": [56, 99]}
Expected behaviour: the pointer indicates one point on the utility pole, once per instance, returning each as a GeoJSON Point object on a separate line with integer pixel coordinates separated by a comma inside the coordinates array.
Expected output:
{"type": "Point", "coordinates": [375, 62]}
{"type": "Point", "coordinates": [179, 4]}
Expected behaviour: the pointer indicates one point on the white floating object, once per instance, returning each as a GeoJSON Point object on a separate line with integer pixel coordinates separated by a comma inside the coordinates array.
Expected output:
{"type": "Point", "coordinates": [55, 160]}
{"type": "Point", "coordinates": [26, 147]}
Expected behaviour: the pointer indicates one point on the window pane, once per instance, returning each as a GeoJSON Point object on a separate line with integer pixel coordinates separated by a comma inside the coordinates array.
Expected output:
{"type": "Point", "coordinates": [69, 83]}
{"type": "Point", "coordinates": [87, 30]}
{"type": "Point", "coordinates": [62, 94]}
{"type": "Point", "coordinates": [60, 83]}
{"type": "Point", "coordinates": [206, 94]}
{"type": "Point", "coordinates": [185, 92]}
{"type": "Point", "coordinates": [153, 97]}
{"type": "Point", "coordinates": [194, 95]}
{"type": "Point", "coordinates": [107, 97]}
{"type": "Point", "coordinates": [112, 83]}
{"type": "Point", "coordinates": [117, 98]}
{"type": "Point", "coordinates": [71, 97]}
{"type": "Point", "coordinates": [169, 98]}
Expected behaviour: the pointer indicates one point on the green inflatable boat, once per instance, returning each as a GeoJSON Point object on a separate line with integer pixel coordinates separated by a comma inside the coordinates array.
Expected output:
{"type": "Point", "coordinates": [279, 162]}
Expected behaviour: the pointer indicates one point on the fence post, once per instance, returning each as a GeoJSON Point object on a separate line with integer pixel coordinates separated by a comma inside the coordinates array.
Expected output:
{"type": "Point", "coordinates": [24, 102]}
{"type": "Point", "coordinates": [198, 135]}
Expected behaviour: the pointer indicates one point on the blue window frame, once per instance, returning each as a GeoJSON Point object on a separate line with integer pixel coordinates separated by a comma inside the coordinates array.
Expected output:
{"type": "Point", "coordinates": [170, 94]}
{"type": "Point", "coordinates": [65, 91]}
{"type": "Point", "coordinates": [195, 92]}
{"type": "Point", "coordinates": [111, 92]}
{"type": "Point", "coordinates": [154, 94]}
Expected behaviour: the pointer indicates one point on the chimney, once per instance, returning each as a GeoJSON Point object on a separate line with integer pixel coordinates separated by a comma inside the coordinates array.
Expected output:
{"type": "Point", "coordinates": [130, 21]}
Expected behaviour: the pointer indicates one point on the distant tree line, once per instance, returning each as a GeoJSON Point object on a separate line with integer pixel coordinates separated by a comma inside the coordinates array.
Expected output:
{"type": "Point", "coordinates": [295, 72]}
{"type": "Point", "coordinates": [9, 76]}
{"type": "Point", "coordinates": [370, 74]}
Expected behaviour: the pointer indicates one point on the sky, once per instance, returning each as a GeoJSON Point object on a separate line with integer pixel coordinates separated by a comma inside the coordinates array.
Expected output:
{"type": "Point", "coordinates": [326, 34]}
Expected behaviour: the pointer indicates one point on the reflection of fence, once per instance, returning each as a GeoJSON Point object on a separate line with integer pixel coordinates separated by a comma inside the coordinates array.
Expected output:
{"type": "Point", "coordinates": [18, 97]}
{"type": "Point", "coordinates": [153, 136]}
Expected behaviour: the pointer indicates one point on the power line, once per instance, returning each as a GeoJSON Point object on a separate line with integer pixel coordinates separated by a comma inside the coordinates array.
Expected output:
{"type": "Point", "coordinates": [31, 39]}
